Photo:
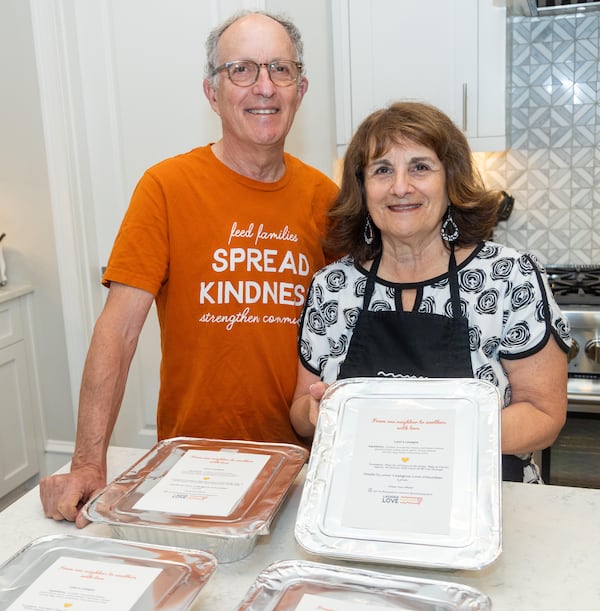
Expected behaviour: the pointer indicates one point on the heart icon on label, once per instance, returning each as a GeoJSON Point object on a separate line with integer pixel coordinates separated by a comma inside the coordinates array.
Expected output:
{"type": "Point", "coordinates": [405, 459]}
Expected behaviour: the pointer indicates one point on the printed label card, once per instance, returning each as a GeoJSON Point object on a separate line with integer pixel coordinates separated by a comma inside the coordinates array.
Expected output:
{"type": "Point", "coordinates": [402, 466]}
{"type": "Point", "coordinates": [77, 584]}
{"type": "Point", "coordinates": [204, 482]}
{"type": "Point", "coordinates": [403, 469]}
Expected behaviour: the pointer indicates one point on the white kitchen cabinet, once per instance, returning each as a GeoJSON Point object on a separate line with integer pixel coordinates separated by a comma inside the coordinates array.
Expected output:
{"type": "Point", "coordinates": [19, 446]}
{"type": "Point", "coordinates": [450, 53]}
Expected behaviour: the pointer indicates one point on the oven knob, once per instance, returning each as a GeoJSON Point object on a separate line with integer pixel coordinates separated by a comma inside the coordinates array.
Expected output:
{"type": "Point", "coordinates": [592, 350]}
{"type": "Point", "coordinates": [573, 351]}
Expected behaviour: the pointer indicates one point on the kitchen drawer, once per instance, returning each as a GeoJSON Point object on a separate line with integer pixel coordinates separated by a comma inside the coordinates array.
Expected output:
{"type": "Point", "coordinates": [11, 322]}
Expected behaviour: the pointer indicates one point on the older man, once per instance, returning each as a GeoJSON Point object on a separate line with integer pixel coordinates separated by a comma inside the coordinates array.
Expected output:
{"type": "Point", "coordinates": [225, 238]}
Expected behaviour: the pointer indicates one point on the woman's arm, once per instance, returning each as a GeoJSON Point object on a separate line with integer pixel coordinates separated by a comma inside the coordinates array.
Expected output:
{"type": "Point", "coordinates": [538, 409]}
{"type": "Point", "coordinates": [305, 402]}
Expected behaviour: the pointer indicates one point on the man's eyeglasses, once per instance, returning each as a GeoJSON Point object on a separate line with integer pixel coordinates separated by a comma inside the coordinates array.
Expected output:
{"type": "Point", "coordinates": [244, 73]}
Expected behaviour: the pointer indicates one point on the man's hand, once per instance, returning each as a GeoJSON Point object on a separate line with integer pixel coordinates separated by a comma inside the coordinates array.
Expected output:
{"type": "Point", "coordinates": [64, 495]}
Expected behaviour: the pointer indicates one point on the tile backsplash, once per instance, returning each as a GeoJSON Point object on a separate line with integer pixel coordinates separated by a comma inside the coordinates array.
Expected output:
{"type": "Point", "coordinates": [552, 164]}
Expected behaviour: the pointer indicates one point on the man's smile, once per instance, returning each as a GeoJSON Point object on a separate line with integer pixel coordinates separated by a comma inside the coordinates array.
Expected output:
{"type": "Point", "coordinates": [262, 111]}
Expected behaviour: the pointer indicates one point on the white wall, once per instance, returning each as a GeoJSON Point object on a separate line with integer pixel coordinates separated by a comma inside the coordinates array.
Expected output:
{"type": "Point", "coordinates": [313, 137]}
{"type": "Point", "coordinates": [25, 213]}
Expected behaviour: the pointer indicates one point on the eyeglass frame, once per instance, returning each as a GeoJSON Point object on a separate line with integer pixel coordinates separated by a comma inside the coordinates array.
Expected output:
{"type": "Point", "coordinates": [267, 65]}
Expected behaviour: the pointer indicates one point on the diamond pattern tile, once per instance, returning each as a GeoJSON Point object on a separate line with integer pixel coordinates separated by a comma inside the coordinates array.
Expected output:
{"type": "Point", "coordinates": [586, 50]}
{"type": "Point", "coordinates": [581, 220]}
{"type": "Point", "coordinates": [537, 30]}
{"type": "Point", "coordinates": [588, 28]}
{"type": "Point", "coordinates": [585, 114]}
{"type": "Point", "coordinates": [540, 96]}
{"type": "Point", "coordinates": [563, 50]}
{"type": "Point", "coordinates": [521, 76]}
{"type": "Point", "coordinates": [583, 199]}
{"type": "Point", "coordinates": [537, 201]}
{"type": "Point", "coordinates": [538, 160]}
{"type": "Point", "coordinates": [560, 179]}
{"type": "Point", "coordinates": [560, 199]}
{"type": "Point", "coordinates": [582, 178]}
{"type": "Point", "coordinates": [583, 158]}
{"type": "Point", "coordinates": [552, 167]}
{"type": "Point", "coordinates": [522, 54]}
{"type": "Point", "coordinates": [584, 93]}
{"type": "Point", "coordinates": [563, 93]}
{"type": "Point", "coordinates": [586, 71]}
{"type": "Point", "coordinates": [540, 53]}
{"type": "Point", "coordinates": [560, 158]}
{"type": "Point", "coordinates": [564, 28]}
{"type": "Point", "coordinates": [540, 75]}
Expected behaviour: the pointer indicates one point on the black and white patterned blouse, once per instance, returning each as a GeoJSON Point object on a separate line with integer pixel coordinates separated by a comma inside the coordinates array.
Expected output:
{"type": "Point", "coordinates": [504, 295]}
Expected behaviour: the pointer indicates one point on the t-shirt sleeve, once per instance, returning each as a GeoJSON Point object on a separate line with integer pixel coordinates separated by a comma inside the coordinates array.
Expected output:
{"type": "Point", "coordinates": [313, 345]}
{"type": "Point", "coordinates": [531, 313]}
{"type": "Point", "coordinates": [140, 254]}
{"type": "Point", "coordinates": [327, 193]}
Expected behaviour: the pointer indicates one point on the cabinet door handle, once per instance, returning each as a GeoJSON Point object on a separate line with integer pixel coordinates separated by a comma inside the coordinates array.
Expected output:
{"type": "Point", "coordinates": [464, 107]}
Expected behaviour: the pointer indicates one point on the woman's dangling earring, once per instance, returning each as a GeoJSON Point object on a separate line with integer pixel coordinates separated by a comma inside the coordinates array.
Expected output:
{"type": "Point", "coordinates": [368, 231]}
{"type": "Point", "coordinates": [449, 228]}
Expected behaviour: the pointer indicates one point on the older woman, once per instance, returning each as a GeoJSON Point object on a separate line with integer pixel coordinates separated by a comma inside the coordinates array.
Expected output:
{"type": "Point", "coordinates": [422, 292]}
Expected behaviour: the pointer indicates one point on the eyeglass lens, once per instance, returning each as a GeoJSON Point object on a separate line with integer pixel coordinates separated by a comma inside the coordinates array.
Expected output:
{"type": "Point", "coordinates": [245, 73]}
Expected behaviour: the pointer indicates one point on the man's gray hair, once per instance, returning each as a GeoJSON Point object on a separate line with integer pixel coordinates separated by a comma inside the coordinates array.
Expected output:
{"type": "Point", "coordinates": [215, 35]}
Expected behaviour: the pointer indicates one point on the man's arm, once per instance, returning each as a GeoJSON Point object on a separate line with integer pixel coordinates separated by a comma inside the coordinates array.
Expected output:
{"type": "Point", "coordinates": [105, 373]}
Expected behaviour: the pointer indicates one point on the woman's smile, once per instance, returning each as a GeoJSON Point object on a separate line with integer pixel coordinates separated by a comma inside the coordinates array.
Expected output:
{"type": "Point", "coordinates": [406, 192]}
{"type": "Point", "coordinates": [403, 207]}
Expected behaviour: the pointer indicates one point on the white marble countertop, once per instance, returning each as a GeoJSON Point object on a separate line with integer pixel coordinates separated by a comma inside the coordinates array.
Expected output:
{"type": "Point", "coordinates": [550, 557]}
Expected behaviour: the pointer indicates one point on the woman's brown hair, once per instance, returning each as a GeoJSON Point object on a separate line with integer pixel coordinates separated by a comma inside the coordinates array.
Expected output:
{"type": "Point", "coordinates": [474, 208]}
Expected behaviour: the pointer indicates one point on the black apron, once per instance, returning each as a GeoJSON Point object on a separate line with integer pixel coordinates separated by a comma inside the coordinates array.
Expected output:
{"type": "Point", "coordinates": [415, 344]}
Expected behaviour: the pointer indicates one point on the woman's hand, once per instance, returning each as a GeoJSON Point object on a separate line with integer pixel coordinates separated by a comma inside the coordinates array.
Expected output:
{"type": "Point", "coordinates": [316, 392]}
{"type": "Point", "coordinates": [305, 402]}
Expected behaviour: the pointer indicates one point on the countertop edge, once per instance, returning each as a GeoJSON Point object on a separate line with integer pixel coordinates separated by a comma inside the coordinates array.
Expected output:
{"type": "Point", "coordinates": [12, 291]}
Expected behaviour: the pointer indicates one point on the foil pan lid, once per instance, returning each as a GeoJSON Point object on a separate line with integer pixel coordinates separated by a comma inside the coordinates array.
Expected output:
{"type": "Point", "coordinates": [405, 471]}
{"type": "Point", "coordinates": [67, 571]}
{"type": "Point", "coordinates": [297, 584]}
{"type": "Point", "coordinates": [224, 488]}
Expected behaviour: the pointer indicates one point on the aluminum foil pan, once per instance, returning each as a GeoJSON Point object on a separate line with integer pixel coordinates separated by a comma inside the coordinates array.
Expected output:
{"type": "Point", "coordinates": [405, 471]}
{"type": "Point", "coordinates": [64, 572]}
{"type": "Point", "coordinates": [214, 495]}
{"type": "Point", "coordinates": [309, 586]}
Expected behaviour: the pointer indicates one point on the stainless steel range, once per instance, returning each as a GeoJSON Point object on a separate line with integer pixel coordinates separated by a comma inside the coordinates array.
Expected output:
{"type": "Point", "coordinates": [577, 290]}
{"type": "Point", "coordinates": [574, 458]}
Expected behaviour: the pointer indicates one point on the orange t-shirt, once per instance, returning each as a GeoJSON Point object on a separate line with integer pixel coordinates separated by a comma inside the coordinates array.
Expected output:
{"type": "Point", "coordinates": [229, 260]}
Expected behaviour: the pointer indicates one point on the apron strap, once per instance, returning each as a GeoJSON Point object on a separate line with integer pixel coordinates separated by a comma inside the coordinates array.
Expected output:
{"type": "Point", "coordinates": [452, 281]}
{"type": "Point", "coordinates": [370, 285]}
